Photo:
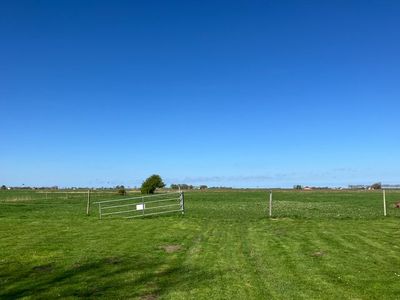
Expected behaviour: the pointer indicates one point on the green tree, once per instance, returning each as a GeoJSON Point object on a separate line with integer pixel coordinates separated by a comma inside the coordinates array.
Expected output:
{"type": "Point", "coordinates": [121, 190]}
{"type": "Point", "coordinates": [3, 187]}
{"type": "Point", "coordinates": [150, 184]}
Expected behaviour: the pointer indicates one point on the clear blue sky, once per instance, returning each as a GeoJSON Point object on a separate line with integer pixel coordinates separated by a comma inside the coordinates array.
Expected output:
{"type": "Point", "coordinates": [238, 93]}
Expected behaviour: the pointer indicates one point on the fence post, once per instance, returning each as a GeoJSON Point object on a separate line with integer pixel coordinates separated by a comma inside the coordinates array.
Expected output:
{"type": "Point", "coordinates": [143, 206]}
{"type": "Point", "coordinates": [270, 203]}
{"type": "Point", "coordinates": [182, 198]}
{"type": "Point", "coordinates": [88, 203]}
{"type": "Point", "coordinates": [100, 211]}
{"type": "Point", "coordinates": [384, 203]}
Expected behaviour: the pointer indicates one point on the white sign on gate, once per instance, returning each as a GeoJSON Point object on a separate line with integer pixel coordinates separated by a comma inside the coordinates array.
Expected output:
{"type": "Point", "coordinates": [139, 206]}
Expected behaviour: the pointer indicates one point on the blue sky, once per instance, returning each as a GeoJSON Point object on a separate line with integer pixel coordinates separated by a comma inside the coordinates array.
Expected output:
{"type": "Point", "coordinates": [235, 93]}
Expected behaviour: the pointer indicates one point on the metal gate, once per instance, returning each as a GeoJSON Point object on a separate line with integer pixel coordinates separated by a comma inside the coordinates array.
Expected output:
{"type": "Point", "coordinates": [142, 206]}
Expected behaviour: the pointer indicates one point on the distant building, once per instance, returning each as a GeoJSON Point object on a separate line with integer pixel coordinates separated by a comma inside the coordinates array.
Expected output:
{"type": "Point", "coordinates": [358, 187]}
{"type": "Point", "coordinates": [391, 186]}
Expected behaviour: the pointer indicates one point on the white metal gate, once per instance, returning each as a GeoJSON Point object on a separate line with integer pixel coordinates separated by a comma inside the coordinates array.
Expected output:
{"type": "Point", "coordinates": [142, 206]}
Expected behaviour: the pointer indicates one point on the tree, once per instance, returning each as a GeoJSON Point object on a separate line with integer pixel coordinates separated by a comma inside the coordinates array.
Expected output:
{"type": "Point", "coordinates": [151, 183]}
{"type": "Point", "coordinates": [121, 190]}
{"type": "Point", "coordinates": [203, 187]}
{"type": "Point", "coordinates": [174, 187]}
{"type": "Point", "coordinates": [3, 187]}
{"type": "Point", "coordinates": [298, 187]}
{"type": "Point", "coordinates": [184, 186]}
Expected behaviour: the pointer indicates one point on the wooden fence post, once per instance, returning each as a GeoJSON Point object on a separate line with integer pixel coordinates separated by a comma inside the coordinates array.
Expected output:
{"type": "Point", "coordinates": [384, 203]}
{"type": "Point", "coordinates": [182, 196]}
{"type": "Point", "coordinates": [270, 204]}
{"type": "Point", "coordinates": [88, 203]}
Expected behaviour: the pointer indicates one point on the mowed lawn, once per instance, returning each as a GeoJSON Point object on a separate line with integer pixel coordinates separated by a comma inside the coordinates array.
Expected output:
{"type": "Point", "coordinates": [318, 245]}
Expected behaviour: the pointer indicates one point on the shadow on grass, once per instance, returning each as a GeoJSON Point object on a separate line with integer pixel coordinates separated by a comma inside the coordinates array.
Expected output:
{"type": "Point", "coordinates": [111, 277]}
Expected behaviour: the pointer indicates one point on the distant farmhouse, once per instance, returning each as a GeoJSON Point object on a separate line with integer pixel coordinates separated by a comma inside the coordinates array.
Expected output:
{"type": "Point", "coordinates": [375, 186]}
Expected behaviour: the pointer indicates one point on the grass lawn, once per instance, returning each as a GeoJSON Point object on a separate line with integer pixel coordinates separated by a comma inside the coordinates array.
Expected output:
{"type": "Point", "coordinates": [318, 245]}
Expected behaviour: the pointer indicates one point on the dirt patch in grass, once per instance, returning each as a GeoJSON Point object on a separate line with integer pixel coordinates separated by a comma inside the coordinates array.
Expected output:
{"type": "Point", "coordinates": [149, 297]}
{"type": "Point", "coordinates": [281, 232]}
{"type": "Point", "coordinates": [88, 292]}
{"type": "Point", "coordinates": [113, 260]}
{"type": "Point", "coordinates": [18, 199]}
{"type": "Point", "coordinates": [171, 248]}
{"type": "Point", "coordinates": [318, 254]}
{"type": "Point", "coordinates": [47, 268]}
{"type": "Point", "coordinates": [280, 219]}
{"type": "Point", "coordinates": [76, 265]}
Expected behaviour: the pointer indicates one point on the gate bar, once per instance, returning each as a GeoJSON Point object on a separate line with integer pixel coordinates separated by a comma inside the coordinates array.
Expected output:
{"type": "Point", "coordinates": [157, 213]}
{"type": "Point", "coordinates": [137, 197]}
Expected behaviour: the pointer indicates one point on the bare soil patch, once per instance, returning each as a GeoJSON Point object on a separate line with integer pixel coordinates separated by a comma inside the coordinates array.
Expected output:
{"type": "Point", "coordinates": [318, 254]}
{"type": "Point", "coordinates": [150, 297]}
{"type": "Point", "coordinates": [113, 260]}
{"type": "Point", "coordinates": [47, 268]}
{"type": "Point", "coordinates": [171, 248]}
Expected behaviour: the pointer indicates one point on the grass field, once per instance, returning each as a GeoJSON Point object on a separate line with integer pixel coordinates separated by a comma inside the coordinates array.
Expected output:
{"type": "Point", "coordinates": [318, 245]}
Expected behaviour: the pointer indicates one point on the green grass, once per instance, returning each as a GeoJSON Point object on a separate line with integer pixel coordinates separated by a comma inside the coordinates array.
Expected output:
{"type": "Point", "coordinates": [318, 245]}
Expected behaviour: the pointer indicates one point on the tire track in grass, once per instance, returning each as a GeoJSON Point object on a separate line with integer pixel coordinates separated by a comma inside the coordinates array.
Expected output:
{"type": "Point", "coordinates": [323, 250]}
{"type": "Point", "coordinates": [375, 256]}
{"type": "Point", "coordinates": [348, 260]}
{"type": "Point", "coordinates": [201, 255]}
{"type": "Point", "coordinates": [262, 245]}
{"type": "Point", "coordinates": [225, 251]}
{"type": "Point", "coordinates": [254, 270]}
{"type": "Point", "coordinates": [281, 275]}
{"type": "Point", "coordinates": [230, 267]}
{"type": "Point", "coordinates": [340, 267]}
{"type": "Point", "coordinates": [291, 258]}
{"type": "Point", "coordinates": [283, 265]}
{"type": "Point", "coordinates": [295, 269]}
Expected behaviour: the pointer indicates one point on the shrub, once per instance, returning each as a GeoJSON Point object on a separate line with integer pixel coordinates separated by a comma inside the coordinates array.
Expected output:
{"type": "Point", "coordinates": [151, 184]}
{"type": "Point", "coordinates": [121, 190]}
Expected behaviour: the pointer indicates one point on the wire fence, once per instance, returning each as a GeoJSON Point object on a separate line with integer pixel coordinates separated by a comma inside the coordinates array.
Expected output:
{"type": "Point", "coordinates": [332, 204]}
{"type": "Point", "coordinates": [208, 204]}
{"type": "Point", "coordinates": [57, 197]}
